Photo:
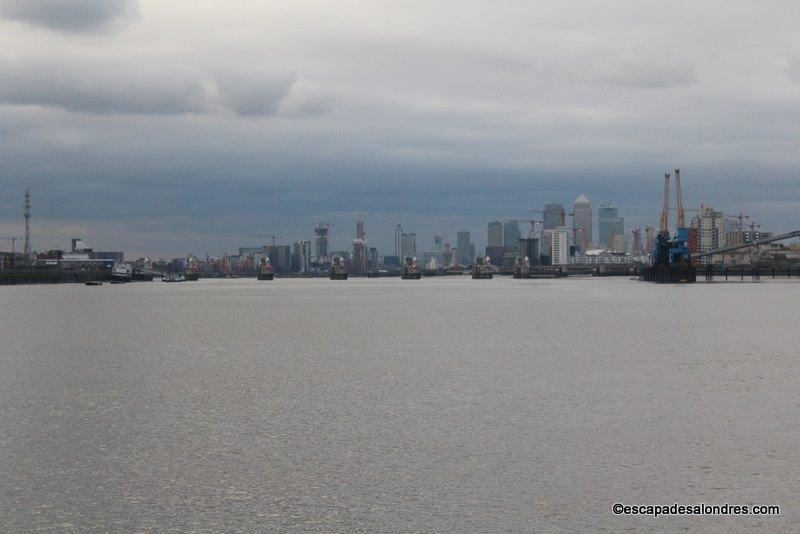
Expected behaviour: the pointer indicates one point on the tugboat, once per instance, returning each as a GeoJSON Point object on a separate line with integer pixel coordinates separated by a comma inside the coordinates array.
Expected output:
{"type": "Point", "coordinates": [410, 271]}
{"type": "Point", "coordinates": [265, 271]}
{"type": "Point", "coordinates": [482, 270]}
{"type": "Point", "coordinates": [522, 267]}
{"type": "Point", "coordinates": [121, 272]}
{"type": "Point", "coordinates": [338, 269]}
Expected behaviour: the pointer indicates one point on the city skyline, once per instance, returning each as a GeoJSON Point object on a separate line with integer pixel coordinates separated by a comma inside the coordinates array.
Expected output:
{"type": "Point", "coordinates": [162, 150]}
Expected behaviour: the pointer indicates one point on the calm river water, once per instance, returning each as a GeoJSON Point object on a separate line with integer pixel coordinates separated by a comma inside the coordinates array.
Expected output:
{"type": "Point", "coordinates": [444, 405]}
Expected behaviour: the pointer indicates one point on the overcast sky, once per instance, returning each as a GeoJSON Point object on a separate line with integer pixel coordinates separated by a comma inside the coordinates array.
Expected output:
{"type": "Point", "coordinates": [163, 127]}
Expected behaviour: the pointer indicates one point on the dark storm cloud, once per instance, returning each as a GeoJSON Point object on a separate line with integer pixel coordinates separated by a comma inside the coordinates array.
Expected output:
{"type": "Point", "coordinates": [70, 15]}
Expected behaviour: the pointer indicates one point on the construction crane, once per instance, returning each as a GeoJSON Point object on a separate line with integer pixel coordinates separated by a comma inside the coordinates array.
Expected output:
{"type": "Point", "coordinates": [649, 233]}
{"type": "Point", "coordinates": [681, 216]}
{"type": "Point", "coordinates": [533, 223]}
{"type": "Point", "coordinates": [671, 257]}
{"type": "Point", "coordinates": [271, 236]}
{"type": "Point", "coordinates": [563, 220]}
{"type": "Point", "coordinates": [664, 230]}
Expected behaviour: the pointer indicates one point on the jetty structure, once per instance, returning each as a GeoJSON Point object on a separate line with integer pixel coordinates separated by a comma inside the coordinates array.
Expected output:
{"type": "Point", "coordinates": [338, 269]}
{"type": "Point", "coordinates": [410, 270]}
{"type": "Point", "coordinates": [482, 269]}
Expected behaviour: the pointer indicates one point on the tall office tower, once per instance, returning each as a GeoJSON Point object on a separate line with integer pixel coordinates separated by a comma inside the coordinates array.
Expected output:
{"type": "Point", "coordinates": [280, 256]}
{"type": "Point", "coordinates": [710, 227]}
{"type": "Point", "coordinates": [408, 246]}
{"type": "Point", "coordinates": [559, 240]}
{"type": "Point", "coordinates": [301, 256]}
{"type": "Point", "coordinates": [582, 223]}
{"type": "Point", "coordinates": [511, 234]}
{"type": "Point", "coordinates": [554, 216]}
{"type": "Point", "coordinates": [359, 263]}
{"type": "Point", "coordinates": [495, 234]}
{"type": "Point", "coordinates": [611, 224]}
{"type": "Point", "coordinates": [398, 242]}
{"type": "Point", "coordinates": [438, 243]}
{"type": "Point", "coordinates": [466, 248]}
{"type": "Point", "coordinates": [321, 241]}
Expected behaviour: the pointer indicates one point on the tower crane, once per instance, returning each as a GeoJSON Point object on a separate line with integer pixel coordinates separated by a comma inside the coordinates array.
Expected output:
{"type": "Point", "coordinates": [681, 216]}
{"type": "Point", "coordinates": [271, 236]}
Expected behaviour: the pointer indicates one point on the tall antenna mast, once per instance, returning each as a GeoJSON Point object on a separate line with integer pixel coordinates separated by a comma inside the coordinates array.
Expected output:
{"type": "Point", "coordinates": [27, 205]}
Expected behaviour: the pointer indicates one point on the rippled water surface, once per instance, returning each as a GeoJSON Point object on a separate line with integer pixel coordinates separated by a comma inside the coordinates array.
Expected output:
{"type": "Point", "coordinates": [387, 405]}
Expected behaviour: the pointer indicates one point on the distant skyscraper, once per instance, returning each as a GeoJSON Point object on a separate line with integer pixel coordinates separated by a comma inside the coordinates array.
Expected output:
{"type": "Point", "coordinates": [554, 216]}
{"type": "Point", "coordinates": [582, 223]}
{"type": "Point", "coordinates": [398, 242]}
{"type": "Point", "coordinates": [407, 246]}
{"type": "Point", "coordinates": [511, 234]}
{"type": "Point", "coordinates": [466, 249]}
{"type": "Point", "coordinates": [495, 234]}
{"type": "Point", "coordinates": [710, 227]}
{"type": "Point", "coordinates": [360, 260]}
{"type": "Point", "coordinates": [559, 241]}
{"type": "Point", "coordinates": [321, 241]}
{"type": "Point", "coordinates": [301, 256]}
{"type": "Point", "coordinates": [529, 248]}
{"type": "Point", "coordinates": [611, 224]}
{"type": "Point", "coordinates": [412, 243]}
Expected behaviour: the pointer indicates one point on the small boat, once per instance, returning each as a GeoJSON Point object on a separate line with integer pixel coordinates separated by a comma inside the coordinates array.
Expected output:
{"type": "Point", "coordinates": [94, 283]}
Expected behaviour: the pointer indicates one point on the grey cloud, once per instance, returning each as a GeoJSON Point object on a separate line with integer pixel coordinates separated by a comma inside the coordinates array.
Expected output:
{"type": "Point", "coordinates": [100, 89]}
{"type": "Point", "coordinates": [794, 68]}
{"type": "Point", "coordinates": [70, 15]}
{"type": "Point", "coordinates": [142, 89]}
{"type": "Point", "coordinates": [644, 69]}
{"type": "Point", "coordinates": [253, 92]}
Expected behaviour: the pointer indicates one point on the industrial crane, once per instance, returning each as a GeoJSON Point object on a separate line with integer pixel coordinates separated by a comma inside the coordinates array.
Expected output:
{"type": "Point", "coordinates": [671, 257]}
{"type": "Point", "coordinates": [681, 218]}
{"type": "Point", "coordinates": [671, 251]}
